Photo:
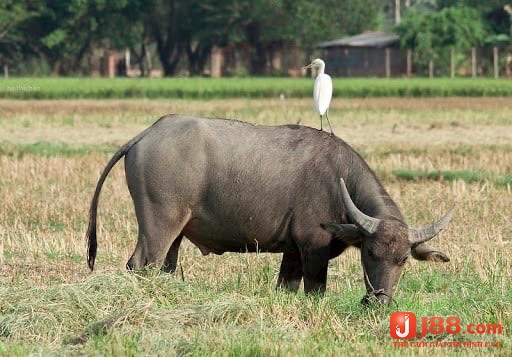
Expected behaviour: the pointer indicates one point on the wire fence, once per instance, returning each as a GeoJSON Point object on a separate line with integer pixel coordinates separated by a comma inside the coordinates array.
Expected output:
{"type": "Point", "coordinates": [439, 62]}
{"type": "Point", "coordinates": [477, 62]}
{"type": "Point", "coordinates": [353, 61]}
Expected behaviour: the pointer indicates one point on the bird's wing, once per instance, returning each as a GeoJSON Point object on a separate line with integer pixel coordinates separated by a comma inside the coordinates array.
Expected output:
{"type": "Point", "coordinates": [322, 93]}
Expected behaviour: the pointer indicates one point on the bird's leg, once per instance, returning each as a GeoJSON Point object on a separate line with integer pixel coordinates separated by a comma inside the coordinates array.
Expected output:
{"type": "Point", "coordinates": [327, 117]}
{"type": "Point", "coordinates": [321, 127]}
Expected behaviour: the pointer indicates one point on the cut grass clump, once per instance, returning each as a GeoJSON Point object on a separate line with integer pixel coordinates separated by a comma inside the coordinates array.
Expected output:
{"type": "Point", "coordinates": [464, 175]}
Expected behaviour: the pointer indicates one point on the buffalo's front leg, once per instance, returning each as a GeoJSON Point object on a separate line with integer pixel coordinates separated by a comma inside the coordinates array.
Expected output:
{"type": "Point", "coordinates": [315, 261]}
{"type": "Point", "coordinates": [290, 273]}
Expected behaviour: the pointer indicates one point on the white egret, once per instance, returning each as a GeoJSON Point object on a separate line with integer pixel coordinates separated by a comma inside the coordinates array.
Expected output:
{"type": "Point", "coordinates": [322, 92]}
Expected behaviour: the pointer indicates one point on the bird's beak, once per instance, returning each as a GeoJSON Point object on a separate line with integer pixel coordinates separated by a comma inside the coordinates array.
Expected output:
{"type": "Point", "coordinates": [308, 66]}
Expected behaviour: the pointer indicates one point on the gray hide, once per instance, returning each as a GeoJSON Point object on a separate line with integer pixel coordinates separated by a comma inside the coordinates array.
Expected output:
{"type": "Point", "coordinates": [231, 186]}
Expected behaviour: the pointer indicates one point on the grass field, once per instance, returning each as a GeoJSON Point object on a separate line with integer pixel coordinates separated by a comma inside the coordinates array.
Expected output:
{"type": "Point", "coordinates": [270, 87]}
{"type": "Point", "coordinates": [52, 152]}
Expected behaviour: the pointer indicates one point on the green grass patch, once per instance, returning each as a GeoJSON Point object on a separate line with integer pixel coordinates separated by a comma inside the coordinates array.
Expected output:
{"type": "Point", "coordinates": [464, 150]}
{"type": "Point", "coordinates": [468, 176]}
{"type": "Point", "coordinates": [47, 149]}
{"type": "Point", "coordinates": [147, 313]}
{"type": "Point", "coordinates": [208, 88]}
{"type": "Point", "coordinates": [451, 175]}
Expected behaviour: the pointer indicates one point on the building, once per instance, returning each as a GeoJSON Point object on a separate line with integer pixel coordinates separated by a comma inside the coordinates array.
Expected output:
{"type": "Point", "coordinates": [370, 54]}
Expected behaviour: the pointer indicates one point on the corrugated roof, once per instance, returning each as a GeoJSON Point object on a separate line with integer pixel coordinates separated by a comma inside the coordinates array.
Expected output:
{"type": "Point", "coordinates": [366, 39]}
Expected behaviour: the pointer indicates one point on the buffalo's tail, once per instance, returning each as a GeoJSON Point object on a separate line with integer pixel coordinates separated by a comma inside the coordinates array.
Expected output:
{"type": "Point", "coordinates": [92, 244]}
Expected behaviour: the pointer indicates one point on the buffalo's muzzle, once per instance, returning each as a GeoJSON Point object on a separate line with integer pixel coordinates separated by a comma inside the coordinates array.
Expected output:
{"type": "Point", "coordinates": [380, 298]}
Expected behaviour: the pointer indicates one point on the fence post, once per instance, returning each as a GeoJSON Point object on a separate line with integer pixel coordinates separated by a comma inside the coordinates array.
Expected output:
{"type": "Point", "coordinates": [452, 62]}
{"type": "Point", "coordinates": [388, 62]}
{"type": "Point", "coordinates": [508, 64]}
{"type": "Point", "coordinates": [495, 57]}
{"type": "Point", "coordinates": [473, 62]}
{"type": "Point", "coordinates": [409, 62]}
{"type": "Point", "coordinates": [216, 62]}
{"type": "Point", "coordinates": [6, 71]}
{"type": "Point", "coordinates": [430, 65]}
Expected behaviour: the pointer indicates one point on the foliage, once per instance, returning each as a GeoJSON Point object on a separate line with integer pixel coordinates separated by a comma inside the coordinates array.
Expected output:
{"type": "Point", "coordinates": [496, 19]}
{"type": "Point", "coordinates": [266, 25]}
{"type": "Point", "coordinates": [311, 22]}
{"type": "Point", "coordinates": [457, 27]}
{"type": "Point", "coordinates": [425, 5]}
{"type": "Point", "coordinates": [63, 34]}
{"type": "Point", "coordinates": [430, 34]}
{"type": "Point", "coordinates": [12, 14]}
{"type": "Point", "coordinates": [482, 6]}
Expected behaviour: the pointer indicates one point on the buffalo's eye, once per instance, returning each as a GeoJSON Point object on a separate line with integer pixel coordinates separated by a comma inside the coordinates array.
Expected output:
{"type": "Point", "coordinates": [371, 254]}
{"type": "Point", "coordinates": [403, 260]}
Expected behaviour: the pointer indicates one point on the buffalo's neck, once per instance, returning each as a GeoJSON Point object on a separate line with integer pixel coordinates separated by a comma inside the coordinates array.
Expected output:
{"type": "Point", "coordinates": [371, 198]}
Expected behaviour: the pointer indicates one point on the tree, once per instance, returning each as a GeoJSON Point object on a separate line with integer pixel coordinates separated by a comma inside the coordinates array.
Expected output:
{"type": "Point", "coordinates": [61, 33]}
{"type": "Point", "coordinates": [163, 19]}
{"type": "Point", "coordinates": [424, 5]}
{"type": "Point", "coordinates": [481, 6]}
{"type": "Point", "coordinates": [64, 32]}
{"type": "Point", "coordinates": [208, 23]}
{"type": "Point", "coordinates": [12, 14]}
{"type": "Point", "coordinates": [126, 27]}
{"type": "Point", "coordinates": [493, 11]}
{"type": "Point", "coordinates": [431, 33]}
{"type": "Point", "coordinates": [271, 23]}
{"type": "Point", "coordinates": [329, 19]}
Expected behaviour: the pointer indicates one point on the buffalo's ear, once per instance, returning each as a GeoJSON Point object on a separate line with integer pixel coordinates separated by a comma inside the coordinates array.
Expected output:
{"type": "Point", "coordinates": [427, 252]}
{"type": "Point", "coordinates": [350, 234]}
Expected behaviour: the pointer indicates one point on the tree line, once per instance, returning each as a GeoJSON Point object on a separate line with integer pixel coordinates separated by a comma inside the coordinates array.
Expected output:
{"type": "Point", "coordinates": [62, 35]}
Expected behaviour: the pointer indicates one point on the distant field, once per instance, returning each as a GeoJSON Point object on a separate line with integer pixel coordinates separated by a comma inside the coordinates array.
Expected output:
{"type": "Point", "coordinates": [205, 88]}
{"type": "Point", "coordinates": [430, 153]}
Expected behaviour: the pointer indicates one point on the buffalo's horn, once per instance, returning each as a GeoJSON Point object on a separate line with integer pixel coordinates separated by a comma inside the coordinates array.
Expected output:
{"type": "Point", "coordinates": [367, 223]}
{"type": "Point", "coordinates": [422, 235]}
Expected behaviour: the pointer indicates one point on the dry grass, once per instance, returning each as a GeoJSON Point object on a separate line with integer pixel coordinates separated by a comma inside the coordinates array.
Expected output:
{"type": "Point", "coordinates": [224, 299]}
{"type": "Point", "coordinates": [364, 123]}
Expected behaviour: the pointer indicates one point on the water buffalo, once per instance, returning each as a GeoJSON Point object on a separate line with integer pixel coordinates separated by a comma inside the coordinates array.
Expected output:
{"type": "Point", "coordinates": [230, 186]}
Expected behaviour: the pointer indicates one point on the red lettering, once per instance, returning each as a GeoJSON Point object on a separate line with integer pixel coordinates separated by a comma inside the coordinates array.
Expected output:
{"type": "Point", "coordinates": [423, 327]}
{"type": "Point", "coordinates": [480, 329]}
{"type": "Point", "coordinates": [436, 325]}
{"type": "Point", "coordinates": [453, 325]}
{"type": "Point", "coordinates": [470, 329]}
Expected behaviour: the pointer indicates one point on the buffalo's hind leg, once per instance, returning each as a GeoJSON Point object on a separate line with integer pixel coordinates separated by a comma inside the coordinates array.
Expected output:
{"type": "Point", "coordinates": [171, 260]}
{"type": "Point", "coordinates": [159, 229]}
{"type": "Point", "coordinates": [290, 273]}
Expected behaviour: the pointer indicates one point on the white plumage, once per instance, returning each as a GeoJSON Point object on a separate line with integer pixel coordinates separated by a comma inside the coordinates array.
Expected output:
{"type": "Point", "coordinates": [322, 91]}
